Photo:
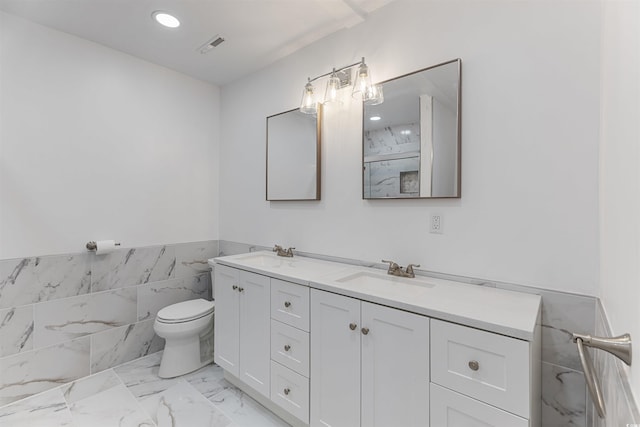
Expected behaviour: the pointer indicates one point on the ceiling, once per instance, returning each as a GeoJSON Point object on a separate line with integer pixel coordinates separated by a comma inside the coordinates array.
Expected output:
{"type": "Point", "coordinates": [256, 32]}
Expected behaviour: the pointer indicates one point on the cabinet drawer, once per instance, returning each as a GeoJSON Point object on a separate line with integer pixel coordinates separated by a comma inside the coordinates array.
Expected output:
{"type": "Point", "coordinates": [451, 409]}
{"type": "Point", "coordinates": [290, 347]}
{"type": "Point", "coordinates": [290, 391]}
{"type": "Point", "coordinates": [290, 304]}
{"type": "Point", "coordinates": [489, 367]}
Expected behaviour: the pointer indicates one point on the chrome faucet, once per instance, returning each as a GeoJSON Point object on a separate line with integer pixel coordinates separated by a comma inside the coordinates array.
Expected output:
{"type": "Point", "coordinates": [283, 252]}
{"type": "Point", "coordinates": [396, 270]}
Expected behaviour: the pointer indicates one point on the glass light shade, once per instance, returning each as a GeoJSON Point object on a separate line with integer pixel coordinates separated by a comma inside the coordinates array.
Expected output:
{"type": "Point", "coordinates": [308, 103]}
{"type": "Point", "coordinates": [374, 95]}
{"type": "Point", "coordinates": [333, 84]}
{"type": "Point", "coordinates": [362, 83]}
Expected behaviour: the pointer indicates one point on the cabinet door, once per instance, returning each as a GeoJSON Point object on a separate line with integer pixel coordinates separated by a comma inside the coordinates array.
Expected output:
{"type": "Point", "coordinates": [395, 367]}
{"type": "Point", "coordinates": [255, 335]}
{"type": "Point", "coordinates": [451, 409]}
{"type": "Point", "coordinates": [335, 360]}
{"type": "Point", "coordinates": [500, 376]}
{"type": "Point", "coordinates": [226, 325]}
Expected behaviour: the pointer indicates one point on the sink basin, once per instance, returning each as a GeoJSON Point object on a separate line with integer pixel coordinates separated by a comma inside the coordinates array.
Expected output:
{"type": "Point", "coordinates": [294, 266]}
{"type": "Point", "coordinates": [261, 260]}
{"type": "Point", "coordinates": [366, 278]}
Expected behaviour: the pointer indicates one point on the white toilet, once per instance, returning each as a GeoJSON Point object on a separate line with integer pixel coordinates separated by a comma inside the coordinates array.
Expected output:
{"type": "Point", "coordinates": [187, 328]}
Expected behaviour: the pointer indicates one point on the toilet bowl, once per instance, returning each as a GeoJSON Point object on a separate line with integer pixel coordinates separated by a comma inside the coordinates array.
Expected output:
{"type": "Point", "coordinates": [187, 328]}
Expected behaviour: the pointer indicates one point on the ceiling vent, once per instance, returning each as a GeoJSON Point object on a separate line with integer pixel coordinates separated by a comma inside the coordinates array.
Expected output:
{"type": "Point", "coordinates": [215, 41]}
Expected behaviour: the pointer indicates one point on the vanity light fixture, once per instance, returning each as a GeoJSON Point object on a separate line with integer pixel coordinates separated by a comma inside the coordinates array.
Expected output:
{"type": "Point", "coordinates": [308, 104]}
{"type": "Point", "coordinates": [374, 118]}
{"type": "Point", "coordinates": [331, 94]}
{"type": "Point", "coordinates": [339, 78]}
{"type": "Point", "coordinates": [166, 19]}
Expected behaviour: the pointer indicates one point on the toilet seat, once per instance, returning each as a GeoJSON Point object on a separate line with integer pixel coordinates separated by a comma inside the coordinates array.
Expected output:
{"type": "Point", "coordinates": [186, 311]}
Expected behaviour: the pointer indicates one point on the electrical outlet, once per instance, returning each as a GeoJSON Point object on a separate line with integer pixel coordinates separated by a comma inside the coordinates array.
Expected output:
{"type": "Point", "coordinates": [436, 224]}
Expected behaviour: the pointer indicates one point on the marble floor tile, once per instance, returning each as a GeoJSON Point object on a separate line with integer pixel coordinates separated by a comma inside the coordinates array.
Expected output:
{"type": "Point", "coordinates": [181, 405]}
{"type": "Point", "coordinates": [112, 407]}
{"type": "Point", "coordinates": [47, 409]}
{"type": "Point", "coordinates": [16, 330]}
{"type": "Point", "coordinates": [89, 386]}
{"type": "Point", "coordinates": [243, 410]}
{"type": "Point", "coordinates": [141, 376]}
{"type": "Point", "coordinates": [208, 380]}
{"type": "Point", "coordinates": [133, 395]}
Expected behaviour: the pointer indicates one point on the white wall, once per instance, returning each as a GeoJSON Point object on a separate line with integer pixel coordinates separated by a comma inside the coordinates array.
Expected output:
{"type": "Point", "coordinates": [530, 111]}
{"type": "Point", "coordinates": [96, 144]}
{"type": "Point", "coordinates": [620, 172]}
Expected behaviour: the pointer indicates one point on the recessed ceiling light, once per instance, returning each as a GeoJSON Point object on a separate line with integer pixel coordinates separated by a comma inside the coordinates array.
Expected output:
{"type": "Point", "coordinates": [374, 118]}
{"type": "Point", "coordinates": [163, 18]}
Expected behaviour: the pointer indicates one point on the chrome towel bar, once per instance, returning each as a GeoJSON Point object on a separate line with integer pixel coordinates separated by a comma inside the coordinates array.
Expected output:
{"type": "Point", "coordinates": [619, 346]}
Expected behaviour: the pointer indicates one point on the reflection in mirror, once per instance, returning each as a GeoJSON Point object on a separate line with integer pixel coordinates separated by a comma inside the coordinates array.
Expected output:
{"type": "Point", "coordinates": [411, 142]}
{"type": "Point", "coordinates": [293, 156]}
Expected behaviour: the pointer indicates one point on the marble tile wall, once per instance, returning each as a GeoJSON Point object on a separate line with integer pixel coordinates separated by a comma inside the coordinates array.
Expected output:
{"type": "Point", "coordinates": [382, 175]}
{"type": "Point", "coordinates": [112, 322]}
{"type": "Point", "coordinates": [63, 317]}
{"type": "Point", "coordinates": [392, 140]}
{"type": "Point", "coordinates": [564, 394]}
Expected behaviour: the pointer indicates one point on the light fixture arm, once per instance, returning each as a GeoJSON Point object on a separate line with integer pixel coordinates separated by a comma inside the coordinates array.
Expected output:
{"type": "Point", "coordinates": [335, 70]}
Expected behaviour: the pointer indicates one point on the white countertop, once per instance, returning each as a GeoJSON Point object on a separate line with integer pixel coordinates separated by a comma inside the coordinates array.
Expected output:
{"type": "Point", "coordinates": [510, 313]}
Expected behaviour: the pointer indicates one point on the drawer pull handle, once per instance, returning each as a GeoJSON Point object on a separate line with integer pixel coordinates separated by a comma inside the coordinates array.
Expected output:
{"type": "Point", "coordinates": [287, 304]}
{"type": "Point", "coordinates": [287, 347]}
{"type": "Point", "coordinates": [287, 391]}
{"type": "Point", "coordinates": [474, 365]}
{"type": "Point", "coordinates": [365, 331]}
{"type": "Point", "coordinates": [240, 289]}
{"type": "Point", "coordinates": [234, 287]}
{"type": "Point", "coordinates": [352, 326]}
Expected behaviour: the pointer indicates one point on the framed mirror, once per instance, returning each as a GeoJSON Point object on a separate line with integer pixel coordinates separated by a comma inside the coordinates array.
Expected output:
{"type": "Point", "coordinates": [411, 142]}
{"type": "Point", "coordinates": [293, 156]}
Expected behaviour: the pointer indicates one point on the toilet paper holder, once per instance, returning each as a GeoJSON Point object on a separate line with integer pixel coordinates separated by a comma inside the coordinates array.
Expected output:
{"type": "Point", "coordinates": [92, 245]}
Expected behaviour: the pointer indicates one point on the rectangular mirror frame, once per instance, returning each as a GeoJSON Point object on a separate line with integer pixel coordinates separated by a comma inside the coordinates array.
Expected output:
{"type": "Point", "coordinates": [317, 152]}
{"type": "Point", "coordinates": [458, 131]}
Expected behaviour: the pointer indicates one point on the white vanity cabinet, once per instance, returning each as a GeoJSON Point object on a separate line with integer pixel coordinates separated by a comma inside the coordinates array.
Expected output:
{"type": "Point", "coordinates": [369, 365]}
{"type": "Point", "coordinates": [242, 326]}
{"type": "Point", "coordinates": [326, 345]}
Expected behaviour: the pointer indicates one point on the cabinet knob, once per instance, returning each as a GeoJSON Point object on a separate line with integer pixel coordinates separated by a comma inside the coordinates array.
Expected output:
{"type": "Point", "coordinates": [240, 289]}
{"type": "Point", "coordinates": [365, 331]}
{"type": "Point", "coordinates": [287, 347]}
{"type": "Point", "coordinates": [287, 304]}
{"type": "Point", "coordinates": [287, 391]}
{"type": "Point", "coordinates": [352, 326]}
{"type": "Point", "coordinates": [474, 365]}
{"type": "Point", "coordinates": [234, 287]}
